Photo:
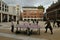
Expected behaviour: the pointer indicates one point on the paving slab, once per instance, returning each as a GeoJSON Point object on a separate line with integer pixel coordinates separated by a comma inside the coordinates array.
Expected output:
{"type": "Point", "coordinates": [19, 37]}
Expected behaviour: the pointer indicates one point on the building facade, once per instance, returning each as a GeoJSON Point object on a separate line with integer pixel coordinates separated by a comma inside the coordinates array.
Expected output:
{"type": "Point", "coordinates": [6, 12]}
{"type": "Point", "coordinates": [12, 13]}
{"type": "Point", "coordinates": [32, 13]}
{"type": "Point", "coordinates": [53, 12]}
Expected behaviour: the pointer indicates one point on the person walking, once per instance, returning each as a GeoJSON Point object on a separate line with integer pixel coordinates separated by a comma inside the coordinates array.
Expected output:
{"type": "Point", "coordinates": [12, 26]}
{"type": "Point", "coordinates": [48, 26]}
{"type": "Point", "coordinates": [28, 31]}
{"type": "Point", "coordinates": [37, 22]}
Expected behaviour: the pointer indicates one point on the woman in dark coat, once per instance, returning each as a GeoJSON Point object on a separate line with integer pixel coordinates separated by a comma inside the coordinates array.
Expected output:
{"type": "Point", "coordinates": [48, 26]}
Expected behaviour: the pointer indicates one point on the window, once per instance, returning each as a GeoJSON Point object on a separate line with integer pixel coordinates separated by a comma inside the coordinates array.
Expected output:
{"type": "Point", "coordinates": [2, 9]}
{"type": "Point", "coordinates": [24, 11]}
{"type": "Point", "coordinates": [5, 6]}
{"type": "Point", "coordinates": [28, 16]}
{"type": "Point", "coordinates": [24, 19]}
{"type": "Point", "coordinates": [2, 5]}
{"type": "Point", "coordinates": [40, 14]}
{"type": "Point", "coordinates": [31, 19]}
{"type": "Point", "coordinates": [6, 9]}
{"type": "Point", "coordinates": [24, 16]}
{"type": "Point", "coordinates": [35, 16]}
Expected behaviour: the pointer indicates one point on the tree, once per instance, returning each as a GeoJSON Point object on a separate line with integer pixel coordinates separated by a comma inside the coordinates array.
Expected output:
{"type": "Point", "coordinates": [40, 7]}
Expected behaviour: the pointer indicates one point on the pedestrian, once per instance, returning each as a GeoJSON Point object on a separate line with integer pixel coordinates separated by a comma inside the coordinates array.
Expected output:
{"type": "Point", "coordinates": [37, 22]}
{"type": "Point", "coordinates": [28, 31]}
{"type": "Point", "coordinates": [48, 26]}
{"type": "Point", "coordinates": [17, 21]}
{"type": "Point", "coordinates": [12, 26]}
{"type": "Point", "coordinates": [33, 21]}
{"type": "Point", "coordinates": [17, 25]}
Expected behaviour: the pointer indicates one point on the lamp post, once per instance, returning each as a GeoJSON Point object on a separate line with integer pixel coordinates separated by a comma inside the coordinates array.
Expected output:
{"type": "Point", "coordinates": [18, 13]}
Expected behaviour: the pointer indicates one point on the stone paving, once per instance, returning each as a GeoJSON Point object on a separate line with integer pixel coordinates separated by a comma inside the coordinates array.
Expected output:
{"type": "Point", "coordinates": [8, 25]}
{"type": "Point", "coordinates": [19, 37]}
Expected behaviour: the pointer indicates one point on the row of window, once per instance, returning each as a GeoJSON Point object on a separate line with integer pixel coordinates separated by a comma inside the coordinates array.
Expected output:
{"type": "Point", "coordinates": [3, 6]}
{"type": "Point", "coordinates": [32, 16]}
{"type": "Point", "coordinates": [31, 19]}
{"type": "Point", "coordinates": [4, 9]}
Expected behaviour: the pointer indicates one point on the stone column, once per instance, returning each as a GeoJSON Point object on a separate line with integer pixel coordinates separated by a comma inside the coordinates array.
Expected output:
{"type": "Point", "coordinates": [1, 17]}
{"type": "Point", "coordinates": [12, 17]}
{"type": "Point", "coordinates": [16, 18]}
{"type": "Point", "coordinates": [7, 17]}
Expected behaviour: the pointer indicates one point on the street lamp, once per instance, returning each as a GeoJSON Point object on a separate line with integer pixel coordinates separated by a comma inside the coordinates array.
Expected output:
{"type": "Point", "coordinates": [18, 13]}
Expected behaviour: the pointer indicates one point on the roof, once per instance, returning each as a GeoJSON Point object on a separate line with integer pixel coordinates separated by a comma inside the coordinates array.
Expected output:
{"type": "Point", "coordinates": [29, 7]}
{"type": "Point", "coordinates": [54, 5]}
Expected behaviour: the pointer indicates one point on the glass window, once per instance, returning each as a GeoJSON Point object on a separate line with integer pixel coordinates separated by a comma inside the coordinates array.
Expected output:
{"type": "Point", "coordinates": [5, 9]}
{"type": "Point", "coordinates": [2, 9]}
{"type": "Point", "coordinates": [31, 16]}
{"type": "Point", "coordinates": [2, 5]}
{"type": "Point", "coordinates": [24, 16]}
{"type": "Point", "coordinates": [35, 16]}
{"type": "Point", "coordinates": [28, 16]}
{"type": "Point", "coordinates": [6, 6]}
{"type": "Point", "coordinates": [24, 11]}
{"type": "Point", "coordinates": [40, 14]}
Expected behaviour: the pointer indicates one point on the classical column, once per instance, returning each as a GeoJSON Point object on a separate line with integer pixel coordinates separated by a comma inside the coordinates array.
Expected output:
{"type": "Point", "coordinates": [16, 18]}
{"type": "Point", "coordinates": [1, 17]}
{"type": "Point", "coordinates": [7, 17]}
{"type": "Point", "coordinates": [12, 17]}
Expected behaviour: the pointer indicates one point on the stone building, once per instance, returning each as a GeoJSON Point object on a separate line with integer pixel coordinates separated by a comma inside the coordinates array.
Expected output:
{"type": "Point", "coordinates": [53, 12]}
{"type": "Point", "coordinates": [7, 13]}
{"type": "Point", "coordinates": [32, 13]}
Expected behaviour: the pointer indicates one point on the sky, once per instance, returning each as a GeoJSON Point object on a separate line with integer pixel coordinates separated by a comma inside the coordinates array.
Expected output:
{"type": "Point", "coordinates": [45, 3]}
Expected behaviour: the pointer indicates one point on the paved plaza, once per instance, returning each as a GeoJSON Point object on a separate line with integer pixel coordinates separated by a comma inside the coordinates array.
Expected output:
{"type": "Point", "coordinates": [6, 26]}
